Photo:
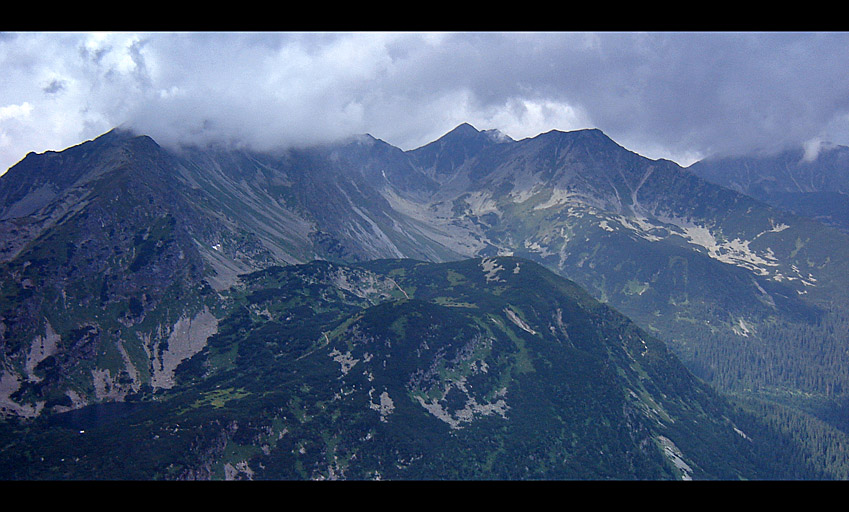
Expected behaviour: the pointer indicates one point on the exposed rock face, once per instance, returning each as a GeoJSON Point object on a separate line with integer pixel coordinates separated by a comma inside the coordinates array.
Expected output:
{"type": "Point", "coordinates": [187, 337]}
{"type": "Point", "coordinates": [42, 347]}
{"type": "Point", "coordinates": [10, 382]}
{"type": "Point", "coordinates": [120, 244]}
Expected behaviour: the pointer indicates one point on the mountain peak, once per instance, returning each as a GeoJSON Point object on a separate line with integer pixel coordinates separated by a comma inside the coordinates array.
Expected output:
{"type": "Point", "coordinates": [450, 151]}
{"type": "Point", "coordinates": [590, 137]}
{"type": "Point", "coordinates": [593, 133]}
{"type": "Point", "coordinates": [465, 130]}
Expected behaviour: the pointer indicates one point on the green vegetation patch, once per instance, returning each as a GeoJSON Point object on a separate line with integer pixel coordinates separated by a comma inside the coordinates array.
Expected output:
{"type": "Point", "coordinates": [449, 302]}
{"type": "Point", "coordinates": [218, 398]}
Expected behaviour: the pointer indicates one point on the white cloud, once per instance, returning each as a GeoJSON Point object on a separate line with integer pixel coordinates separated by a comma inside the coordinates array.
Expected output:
{"type": "Point", "coordinates": [15, 111]}
{"type": "Point", "coordinates": [813, 147]}
{"type": "Point", "coordinates": [677, 96]}
{"type": "Point", "coordinates": [521, 118]}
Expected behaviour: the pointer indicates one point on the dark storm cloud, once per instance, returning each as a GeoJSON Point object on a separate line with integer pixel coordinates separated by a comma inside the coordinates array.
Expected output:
{"type": "Point", "coordinates": [675, 95]}
{"type": "Point", "coordinates": [54, 87]}
{"type": "Point", "coordinates": [687, 92]}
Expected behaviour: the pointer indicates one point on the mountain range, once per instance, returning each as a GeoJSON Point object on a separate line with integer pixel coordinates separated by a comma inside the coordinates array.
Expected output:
{"type": "Point", "coordinates": [812, 183]}
{"type": "Point", "coordinates": [558, 300]}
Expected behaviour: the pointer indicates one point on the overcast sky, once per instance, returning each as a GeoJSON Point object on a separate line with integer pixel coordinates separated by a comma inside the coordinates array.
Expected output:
{"type": "Point", "coordinates": [681, 96]}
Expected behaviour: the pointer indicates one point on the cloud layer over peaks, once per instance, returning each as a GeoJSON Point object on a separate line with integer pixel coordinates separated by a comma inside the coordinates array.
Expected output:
{"type": "Point", "coordinates": [678, 96]}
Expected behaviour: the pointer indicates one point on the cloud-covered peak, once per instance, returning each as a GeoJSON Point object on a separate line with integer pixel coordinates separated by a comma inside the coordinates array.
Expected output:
{"type": "Point", "coordinates": [674, 95]}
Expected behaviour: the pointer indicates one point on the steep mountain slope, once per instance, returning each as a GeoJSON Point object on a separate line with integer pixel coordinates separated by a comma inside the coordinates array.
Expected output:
{"type": "Point", "coordinates": [491, 368]}
{"type": "Point", "coordinates": [721, 277]}
{"type": "Point", "coordinates": [120, 265]}
{"type": "Point", "coordinates": [95, 278]}
{"type": "Point", "coordinates": [115, 251]}
{"type": "Point", "coordinates": [811, 184]}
